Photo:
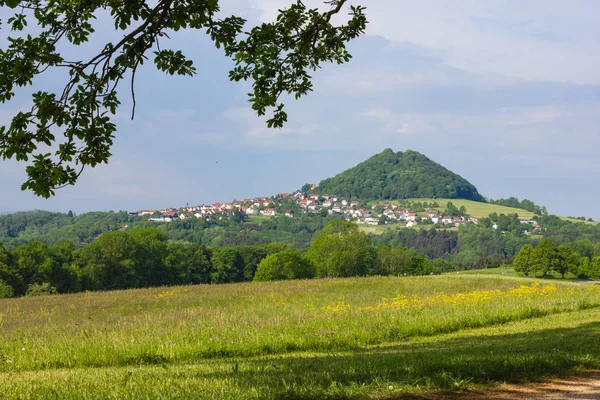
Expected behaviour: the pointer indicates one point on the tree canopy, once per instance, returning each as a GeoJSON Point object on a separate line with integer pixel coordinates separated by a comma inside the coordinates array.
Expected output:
{"type": "Point", "coordinates": [63, 133]}
{"type": "Point", "coordinates": [390, 175]}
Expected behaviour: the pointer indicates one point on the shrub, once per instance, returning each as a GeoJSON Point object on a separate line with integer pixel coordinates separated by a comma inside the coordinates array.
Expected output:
{"type": "Point", "coordinates": [288, 264]}
{"type": "Point", "coordinates": [40, 289]}
{"type": "Point", "coordinates": [6, 291]}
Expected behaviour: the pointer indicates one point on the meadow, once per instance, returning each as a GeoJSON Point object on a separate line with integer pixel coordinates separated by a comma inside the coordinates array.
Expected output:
{"type": "Point", "coordinates": [377, 337]}
{"type": "Point", "coordinates": [477, 209]}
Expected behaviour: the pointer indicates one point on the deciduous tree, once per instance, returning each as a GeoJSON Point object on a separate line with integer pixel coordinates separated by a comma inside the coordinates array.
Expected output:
{"type": "Point", "coordinates": [545, 257]}
{"type": "Point", "coordinates": [341, 249]}
{"type": "Point", "coordinates": [288, 264]}
{"type": "Point", "coordinates": [567, 261]}
{"type": "Point", "coordinates": [76, 123]}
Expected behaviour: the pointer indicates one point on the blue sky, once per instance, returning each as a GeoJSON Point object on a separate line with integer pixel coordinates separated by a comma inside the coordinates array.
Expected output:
{"type": "Point", "coordinates": [505, 93]}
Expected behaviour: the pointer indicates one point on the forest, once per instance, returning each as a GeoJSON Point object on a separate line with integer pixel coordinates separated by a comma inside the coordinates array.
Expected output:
{"type": "Point", "coordinates": [392, 176]}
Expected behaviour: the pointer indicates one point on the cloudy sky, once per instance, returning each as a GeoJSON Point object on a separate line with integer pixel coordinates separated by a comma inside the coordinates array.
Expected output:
{"type": "Point", "coordinates": [505, 93]}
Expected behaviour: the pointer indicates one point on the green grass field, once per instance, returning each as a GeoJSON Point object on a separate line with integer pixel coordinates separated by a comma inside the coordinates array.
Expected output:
{"type": "Point", "coordinates": [379, 337]}
{"type": "Point", "coordinates": [477, 209]}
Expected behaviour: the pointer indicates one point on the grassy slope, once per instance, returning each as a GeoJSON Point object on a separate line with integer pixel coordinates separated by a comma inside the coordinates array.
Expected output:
{"type": "Point", "coordinates": [475, 209]}
{"type": "Point", "coordinates": [286, 339]}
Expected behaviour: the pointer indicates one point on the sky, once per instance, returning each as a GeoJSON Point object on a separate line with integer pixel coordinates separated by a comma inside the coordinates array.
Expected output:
{"type": "Point", "coordinates": [505, 93]}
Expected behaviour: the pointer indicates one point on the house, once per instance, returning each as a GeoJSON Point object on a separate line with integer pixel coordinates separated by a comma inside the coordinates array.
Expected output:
{"type": "Point", "coordinates": [251, 211]}
{"type": "Point", "coordinates": [410, 224]}
{"type": "Point", "coordinates": [474, 220]}
{"type": "Point", "coordinates": [400, 216]}
{"type": "Point", "coordinates": [269, 212]}
{"type": "Point", "coordinates": [166, 217]}
{"type": "Point", "coordinates": [436, 219]}
{"type": "Point", "coordinates": [289, 213]}
{"type": "Point", "coordinates": [354, 203]}
{"type": "Point", "coordinates": [328, 203]}
{"type": "Point", "coordinates": [530, 222]}
{"type": "Point", "coordinates": [388, 213]}
{"type": "Point", "coordinates": [412, 216]}
{"type": "Point", "coordinates": [170, 215]}
{"type": "Point", "coordinates": [372, 221]}
{"type": "Point", "coordinates": [447, 220]}
{"type": "Point", "coordinates": [146, 212]}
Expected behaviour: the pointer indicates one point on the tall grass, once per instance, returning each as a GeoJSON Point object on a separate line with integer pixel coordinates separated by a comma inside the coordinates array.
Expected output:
{"type": "Point", "coordinates": [185, 324]}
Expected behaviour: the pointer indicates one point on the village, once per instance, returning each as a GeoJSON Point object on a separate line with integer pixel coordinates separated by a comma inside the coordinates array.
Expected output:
{"type": "Point", "coordinates": [300, 203]}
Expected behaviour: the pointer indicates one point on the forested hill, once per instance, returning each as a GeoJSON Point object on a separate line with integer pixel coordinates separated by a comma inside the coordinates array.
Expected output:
{"type": "Point", "coordinates": [390, 175]}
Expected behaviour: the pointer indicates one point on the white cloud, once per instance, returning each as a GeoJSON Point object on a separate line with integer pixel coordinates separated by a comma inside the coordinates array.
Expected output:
{"type": "Point", "coordinates": [256, 130]}
{"type": "Point", "coordinates": [402, 124]}
{"type": "Point", "coordinates": [359, 80]}
{"type": "Point", "coordinates": [538, 40]}
{"type": "Point", "coordinates": [543, 130]}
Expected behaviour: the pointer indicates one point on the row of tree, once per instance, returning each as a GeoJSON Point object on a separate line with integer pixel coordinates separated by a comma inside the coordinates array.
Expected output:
{"type": "Point", "coordinates": [547, 258]}
{"type": "Point", "coordinates": [143, 257]}
{"type": "Point", "coordinates": [524, 204]}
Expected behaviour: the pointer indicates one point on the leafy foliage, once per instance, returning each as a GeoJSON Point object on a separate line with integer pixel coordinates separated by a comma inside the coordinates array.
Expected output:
{"type": "Point", "coordinates": [523, 261]}
{"type": "Point", "coordinates": [77, 122]}
{"type": "Point", "coordinates": [287, 264]}
{"type": "Point", "coordinates": [390, 175]}
{"type": "Point", "coordinates": [40, 289]}
{"type": "Point", "coordinates": [6, 291]}
{"type": "Point", "coordinates": [524, 204]}
{"type": "Point", "coordinates": [340, 249]}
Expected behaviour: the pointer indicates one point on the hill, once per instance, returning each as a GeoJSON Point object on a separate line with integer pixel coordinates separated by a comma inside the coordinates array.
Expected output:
{"type": "Point", "coordinates": [390, 176]}
{"type": "Point", "coordinates": [377, 337]}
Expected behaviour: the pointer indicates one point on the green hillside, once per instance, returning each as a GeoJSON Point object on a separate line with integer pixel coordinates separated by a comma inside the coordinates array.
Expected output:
{"type": "Point", "coordinates": [478, 209]}
{"type": "Point", "coordinates": [390, 175]}
{"type": "Point", "coordinates": [359, 338]}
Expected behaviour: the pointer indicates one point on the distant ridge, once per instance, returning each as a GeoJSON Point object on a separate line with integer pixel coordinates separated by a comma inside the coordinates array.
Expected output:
{"type": "Point", "coordinates": [391, 176]}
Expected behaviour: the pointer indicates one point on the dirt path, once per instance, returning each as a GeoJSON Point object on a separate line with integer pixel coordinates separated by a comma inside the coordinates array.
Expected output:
{"type": "Point", "coordinates": [584, 386]}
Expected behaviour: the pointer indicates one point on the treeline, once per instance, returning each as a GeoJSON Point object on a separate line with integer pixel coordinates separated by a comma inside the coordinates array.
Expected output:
{"type": "Point", "coordinates": [220, 230]}
{"type": "Point", "coordinates": [143, 257]}
{"type": "Point", "coordinates": [547, 258]}
{"type": "Point", "coordinates": [52, 227]}
{"type": "Point", "coordinates": [481, 246]}
{"type": "Point", "coordinates": [471, 246]}
{"type": "Point", "coordinates": [524, 204]}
